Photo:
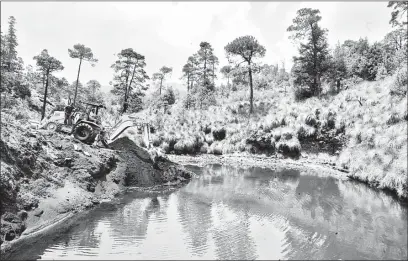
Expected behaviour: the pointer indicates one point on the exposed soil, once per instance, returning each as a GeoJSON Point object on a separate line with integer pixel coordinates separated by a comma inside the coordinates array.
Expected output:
{"type": "Point", "coordinates": [48, 176]}
{"type": "Point", "coordinates": [146, 169]}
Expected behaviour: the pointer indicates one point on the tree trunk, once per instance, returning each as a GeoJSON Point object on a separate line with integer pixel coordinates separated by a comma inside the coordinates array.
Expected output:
{"type": "Point", "coordinates": [127, 89]}
{"type": "Point", "coordinates": [43, 80]}
{"type": "Point", "coordinates": [338, 85]}
{"type": "Point", "coordinates": [77, 81]}
{"type": "Point", "coordinates": [125, 103]}
{"type": "Point", "coordinates": [161, 82]}
{"type": "Point", "coordinates": [205, 70]}
{"type": "Point", "coordinates": [131, 79]}
{"type": "Point", "coordinates": [213, 71]}
{"type": "Point", "coordinates": [315, 78]}
{"type": "Point", "coordinates": [251, 93]}
{"type": "Point", "coordinates": [5, 99]}
{"type": "Point", "coordinates": [45, 95]}
{"type": "Point", "coordinates": [188, 83]}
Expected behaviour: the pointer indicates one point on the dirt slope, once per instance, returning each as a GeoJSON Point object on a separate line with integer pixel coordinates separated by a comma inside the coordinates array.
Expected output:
{"type": "Point", "coordinates": [46, 176]}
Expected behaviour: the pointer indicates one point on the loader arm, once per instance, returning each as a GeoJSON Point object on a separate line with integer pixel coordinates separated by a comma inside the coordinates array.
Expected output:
{"type": "Point", "coordinates": [114, 132]}
{"type": "Point", "coordinates": [118, 129]}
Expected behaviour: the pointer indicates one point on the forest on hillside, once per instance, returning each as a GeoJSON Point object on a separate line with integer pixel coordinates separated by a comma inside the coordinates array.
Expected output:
{"type": "Point", "coordinates": [335, 99]}
{"type": "Point", "coordinates": [317, 65]}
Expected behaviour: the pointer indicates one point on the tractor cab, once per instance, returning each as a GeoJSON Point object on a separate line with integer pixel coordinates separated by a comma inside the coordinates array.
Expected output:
{"type": "Point", "coordinates": [92, 110]}
{"type": "Point", "coordinates": [93, 106]}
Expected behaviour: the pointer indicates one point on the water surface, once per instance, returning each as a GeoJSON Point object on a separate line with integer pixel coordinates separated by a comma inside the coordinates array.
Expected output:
{"type": "Point", "coordinates": [230, 213]}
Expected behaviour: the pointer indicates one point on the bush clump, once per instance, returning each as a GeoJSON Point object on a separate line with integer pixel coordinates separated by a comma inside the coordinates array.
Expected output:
{"type": "Point", "coordinates": [393, 119]}
{"type": "Point", "coordinates": [311, 120]}
{"type": "Point", "coordinates": [290, 148]}
{"type": "Point", "coordinates": [306, 132]}
{"type": "Point", "coordinates": [261, 142]}
{"type": "Point", "coordinates": [207, 129]}
{"type": "Point", "coordinates": [399, 86]}
{"type": "Point", "coordinates": [302, 93]}
{"type": "Point", "coordinates": [219, 134]}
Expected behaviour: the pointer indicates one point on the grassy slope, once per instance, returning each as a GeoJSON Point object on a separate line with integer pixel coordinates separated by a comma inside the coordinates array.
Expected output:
{"type": "Point", "coordinates": [374, 134]}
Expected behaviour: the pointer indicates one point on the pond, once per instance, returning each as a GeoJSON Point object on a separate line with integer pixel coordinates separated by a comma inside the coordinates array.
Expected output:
{"type": "Point", "coordinates": [232, 213]}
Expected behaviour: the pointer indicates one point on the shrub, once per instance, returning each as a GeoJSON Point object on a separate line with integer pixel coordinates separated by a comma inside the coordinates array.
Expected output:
{"type": "Point", "coordinates": [204, 148]}
{"type": "Point", "coordinates": [311, 120]}
{"type": "Point", "coordinates": [272, 125]}
{"type": "Point", "coordinates": [165, 146]}
{"type": "Point", "coordinates": [171, 140]}
{"type": "Point", "coordinates": [330, 119]}
{"type": "Point", "coordinates": [179, 147]}
{"type": "Point", "coordinates": [381, 72]}
{"type": "Point", "coordinates": [399, 86]}
{"type": "Point", "coordinates": [330, 122]}
{"type": "Point", "coordinates": [305, 132]}
{"type": "Point", "coordinates": [209, 139]}
{"type": "Point", "coordinates": [341, 128]}
{"type": "Point", "coordinates": [207, 129]}
{"type": "Point", "coordinates": [156, 141]}
{"type": "Point", "coordinates": [293, 114]}
{"type": "Point", "coordinates": [277, 136]}
{"type": "Point", "coordinates": [219, 134]}
{"type": "Point", "coordinates": [287, 135]}
{"type": "Point", "coordinates": [185, 146]}
{"type": "Point", "coordinates": [215, 148]}
{"type": "Point", "coordinates": [261, 141]}
{"type": "Point", "coordinates": [358, 138]}
{"type": "Point", "coordinates": [289, 148]}
{"type": "Point", "coordinates": [22, 91]}
{"type": "Point", "coordinates": [302, 93]}
{"type": "Point", "coordinates": [393, 119]}
{"type": "Point", "coordinates": [283, 122]}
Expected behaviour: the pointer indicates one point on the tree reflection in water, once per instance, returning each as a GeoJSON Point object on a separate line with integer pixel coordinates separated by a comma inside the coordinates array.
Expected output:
{"type": "Point", "coordinates": [232, 213]}
{"type": "Point", "coordinates": [194, 215]}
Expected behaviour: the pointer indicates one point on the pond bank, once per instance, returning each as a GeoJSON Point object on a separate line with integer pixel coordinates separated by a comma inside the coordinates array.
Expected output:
{"type": "Point", "coordinates": [305, 163]}
{"type": "Point", "coordinates": [230, 213]}
{"type": "Point", "coordinates": [47, 179]}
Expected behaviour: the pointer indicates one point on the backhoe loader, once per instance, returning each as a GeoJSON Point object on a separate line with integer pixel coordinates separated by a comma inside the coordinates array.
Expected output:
{"type": "Point", "coordinates": [87, 126]}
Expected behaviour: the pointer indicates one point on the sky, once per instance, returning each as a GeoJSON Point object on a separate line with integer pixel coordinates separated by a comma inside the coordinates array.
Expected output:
{"type": "Point", "coordinates": [167, 33]}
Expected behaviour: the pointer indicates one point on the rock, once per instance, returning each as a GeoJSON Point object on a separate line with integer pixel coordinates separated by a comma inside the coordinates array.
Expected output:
{"type": "Point", "coordinates": [30, 203]}
{"type": "Point", "coordinates": [90, 187]}
{"type": "Point", "coordinates": [22, 215]}
{"type": "Point", "coordinates": [38, 212]}
{"type": "Point", "coordinates": [87, 154]}
{"type": "Point", "coordinates": [9, 217]}
{"type": "Point", "coordinates": [68, 162]}
{"type": "Point", "coordinates": [77, 148]}
{"type": "Point", "coordinates": [10, 235]}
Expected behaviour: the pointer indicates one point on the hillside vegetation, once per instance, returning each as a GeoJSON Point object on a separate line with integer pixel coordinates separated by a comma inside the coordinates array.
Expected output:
{"type": "Point", "coordinates": [364, 126]}
{"type": "Point", "coordinates": [347, 101]}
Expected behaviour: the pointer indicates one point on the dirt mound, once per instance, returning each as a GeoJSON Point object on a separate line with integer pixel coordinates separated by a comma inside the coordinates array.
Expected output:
{"type": "Point", "coordinates": [35, 168]}
{"type": "Point", "coordinates": [144, 168]}
{"type": "Point", "coordinates": [45, 175]}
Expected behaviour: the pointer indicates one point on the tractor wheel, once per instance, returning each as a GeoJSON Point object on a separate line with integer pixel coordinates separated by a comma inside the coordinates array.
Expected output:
{"type": "Point", "coordinates": [52, 126]}
{"type": "Point", "coordinates": [83, 132]}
